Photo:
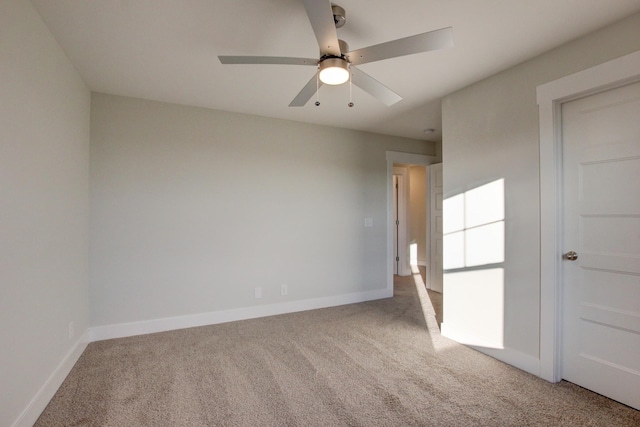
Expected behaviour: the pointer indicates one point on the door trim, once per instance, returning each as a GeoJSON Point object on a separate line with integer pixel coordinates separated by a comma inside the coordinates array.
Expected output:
{"type": "Point", "coordinates": [402, 175]}
{"type": "Point", "coordinates": [406, 158]}
{"type": "Point", "coordinates": [551, 96]}
{"type": "Point", "coordinates": [433, 172]}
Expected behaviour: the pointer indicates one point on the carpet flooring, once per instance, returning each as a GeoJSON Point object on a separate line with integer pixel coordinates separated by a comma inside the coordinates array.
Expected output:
{"type": "Point", "coordinates": [380, 363]}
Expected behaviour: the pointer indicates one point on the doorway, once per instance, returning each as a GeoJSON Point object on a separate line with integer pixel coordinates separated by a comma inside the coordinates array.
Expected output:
{"type": "Point", "coordinates": [398, 164]}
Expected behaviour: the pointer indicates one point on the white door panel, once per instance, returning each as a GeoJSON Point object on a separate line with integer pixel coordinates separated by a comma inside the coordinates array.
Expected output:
{"type": "Point", "coordinates": [601, 289]}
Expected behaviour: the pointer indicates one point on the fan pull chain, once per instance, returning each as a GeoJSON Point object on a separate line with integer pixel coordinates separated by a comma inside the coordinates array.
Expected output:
{"type": "Point", "coordinates": [318, 87]}
{"type": "Point", "coordinates": [350, 104]}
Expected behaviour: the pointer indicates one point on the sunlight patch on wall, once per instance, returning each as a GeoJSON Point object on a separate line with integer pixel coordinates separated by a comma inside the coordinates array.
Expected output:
{"type": "Point", "coordinates": [473, 227]}
{"type": "Point", "coordinates": [473, 251]}
{"type": "Point", "coordinates": [473, 307]}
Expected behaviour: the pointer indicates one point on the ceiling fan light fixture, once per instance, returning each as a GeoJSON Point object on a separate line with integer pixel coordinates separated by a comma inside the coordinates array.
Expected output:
{"type": "Point", "coordinates": [334, 71]}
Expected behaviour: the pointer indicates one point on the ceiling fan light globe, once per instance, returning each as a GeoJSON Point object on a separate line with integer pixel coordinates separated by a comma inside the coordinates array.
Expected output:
{"type": "Point", "coordinates": [334, 76]}
{"type": "Point", "coordinates": [334, 71]}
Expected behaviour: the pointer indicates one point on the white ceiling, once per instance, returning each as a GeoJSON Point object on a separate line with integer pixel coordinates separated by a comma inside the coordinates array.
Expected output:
{"type": "Point", "coordinates": [166, 50]}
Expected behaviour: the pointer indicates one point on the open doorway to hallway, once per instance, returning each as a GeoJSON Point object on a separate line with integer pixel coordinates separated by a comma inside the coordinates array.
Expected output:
{"type": "Point", "coordinates": [411, 234]}
{"type": "Point", "coordinates": [409, 220]}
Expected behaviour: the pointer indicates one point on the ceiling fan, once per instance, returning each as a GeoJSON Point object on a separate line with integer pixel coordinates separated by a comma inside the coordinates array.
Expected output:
{"type": "Point", "coordinates": [337, 64]}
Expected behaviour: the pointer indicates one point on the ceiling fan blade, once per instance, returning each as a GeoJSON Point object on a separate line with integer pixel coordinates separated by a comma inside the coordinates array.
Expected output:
{"type": "Point", "coordinates": [267, 60]}
{"type": "Point", "coordinates": [379, 91]}
{"type": "Point", "coordinates": [321, 17]}
{"type": "Point", "coordinates": [433, 40]}
{"type": "Point", "coordinates": [307, 92]}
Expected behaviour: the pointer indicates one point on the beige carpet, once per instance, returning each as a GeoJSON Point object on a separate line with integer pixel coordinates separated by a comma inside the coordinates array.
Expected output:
{"type": "Point", "coordinates": [380, 363]}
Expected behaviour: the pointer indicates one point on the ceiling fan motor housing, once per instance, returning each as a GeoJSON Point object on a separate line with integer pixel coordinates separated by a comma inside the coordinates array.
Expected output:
{"type": "Point", "coordinates": [344, 48]}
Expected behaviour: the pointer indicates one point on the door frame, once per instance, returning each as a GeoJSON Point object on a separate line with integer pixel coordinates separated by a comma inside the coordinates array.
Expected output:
{"type": "Point", "coordinates": [550, 97]}
{"type": "Point", "coordinates": [405, 158]}
{"type": "Point", "coordinates": [432, 228]}
{"type": "Point", "coordinates": [400, 207]}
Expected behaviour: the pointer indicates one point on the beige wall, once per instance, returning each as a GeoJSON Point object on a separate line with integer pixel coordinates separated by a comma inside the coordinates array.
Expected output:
{"type": "Point", "coordinates": [192, 209]}
{"type": "Point", "coordinates": [44, 199]}
{"type": "Point", "coordinates": [491, 132]}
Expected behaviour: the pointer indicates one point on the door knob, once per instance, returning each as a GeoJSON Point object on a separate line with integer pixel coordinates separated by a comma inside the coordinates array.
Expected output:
{"type": "Point", "coordinates": [571, 256]}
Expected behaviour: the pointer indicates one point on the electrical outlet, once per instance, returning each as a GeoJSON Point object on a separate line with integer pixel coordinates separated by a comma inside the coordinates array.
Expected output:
{"type": "Point", "coordinates": [284, 290]}
{"type": "Point", "coordinates": [71, 330]}
{"type": "Point", "coordinates": [257, 293]}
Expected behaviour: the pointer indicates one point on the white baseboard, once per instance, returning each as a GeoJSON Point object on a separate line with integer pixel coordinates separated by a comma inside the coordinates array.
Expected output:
{"type": "Point", "coordinates": [122, 330]}
{"type": "Point", "coordinates": [507, 355]}
{"type": "Point", "coordinates": [30, 415]}
{"type": "Point", "coordinates": [42, 398]}
{"type": "Point", "coordinates": [512, 357]}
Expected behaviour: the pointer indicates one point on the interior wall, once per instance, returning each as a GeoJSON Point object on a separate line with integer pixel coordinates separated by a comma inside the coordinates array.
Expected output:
{"type": "Point", "coordinates": [44, 199]}
{"type": "Point", "coordinates": [491, 132]}
{"type": "Point", "coordinates": [418, 210]}
{"type": "Point", "coordinates": [193, 208]}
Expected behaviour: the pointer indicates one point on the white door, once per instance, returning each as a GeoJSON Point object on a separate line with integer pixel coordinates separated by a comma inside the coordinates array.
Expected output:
{"type": "Point", "coordinates": [435, 227]}
{"type": "Point", "coordinates": [601, 288]}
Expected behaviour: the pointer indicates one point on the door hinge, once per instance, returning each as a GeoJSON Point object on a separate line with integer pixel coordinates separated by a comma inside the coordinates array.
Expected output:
{"type": "Point", "coordinates": [397, 222]}
{"type": "Point", "coordinates": [397, 259]}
